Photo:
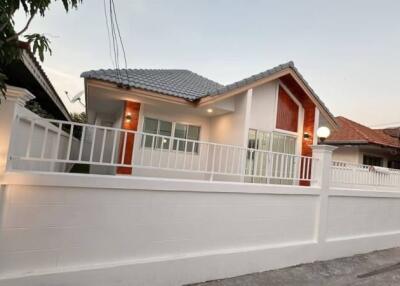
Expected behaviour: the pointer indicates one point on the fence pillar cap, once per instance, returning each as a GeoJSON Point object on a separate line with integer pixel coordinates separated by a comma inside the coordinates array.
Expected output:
{"type": "Point", "coordinates": [18, 95]}
{"type": "Point", "coordinates": [328, 148]}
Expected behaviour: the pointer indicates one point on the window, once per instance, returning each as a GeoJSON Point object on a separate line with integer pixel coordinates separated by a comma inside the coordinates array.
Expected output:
{"type": "Point", "coordinates": [168, 129]}
{"type": "Point", "coordinates": [189, 132]}
{"type": "Point", "coordinates": [394, 164]}
{"type": "Point", "coordinates": [159, 127]}
{"type": "Point", "coordinates": [272, 141]}
{"type": "Point", "coordinates": [372, 160]}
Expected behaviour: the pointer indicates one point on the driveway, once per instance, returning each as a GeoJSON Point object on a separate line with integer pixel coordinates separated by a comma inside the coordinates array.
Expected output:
{"type": "Point", "coordinates": [375, 268]}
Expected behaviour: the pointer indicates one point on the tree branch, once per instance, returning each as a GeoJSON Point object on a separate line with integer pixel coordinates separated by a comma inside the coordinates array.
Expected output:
{"type": "Point", "coordinates": [15, 36]}
{"type": "Point", "coordinates": [4, 25]}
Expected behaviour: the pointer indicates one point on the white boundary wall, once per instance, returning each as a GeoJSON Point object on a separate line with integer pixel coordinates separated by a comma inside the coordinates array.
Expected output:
{"type": "Point", "coordinates": [70, 229]}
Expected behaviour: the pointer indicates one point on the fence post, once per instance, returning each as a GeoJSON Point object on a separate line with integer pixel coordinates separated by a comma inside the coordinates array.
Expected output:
{"type": "Point", "coordinates": [321, 175]}
{"type": "Point", "coordinates": [15, 98]}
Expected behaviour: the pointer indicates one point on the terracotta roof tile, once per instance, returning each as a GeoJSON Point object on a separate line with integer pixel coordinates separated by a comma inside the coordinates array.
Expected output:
{"type": "Point", "coordinates": [351, 132]}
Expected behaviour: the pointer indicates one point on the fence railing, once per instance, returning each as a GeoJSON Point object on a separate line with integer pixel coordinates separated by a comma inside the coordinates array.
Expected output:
{"type": "Point", "coordinates": [116, 149]}
{"type": "Point", "coordinates": [346, 173]}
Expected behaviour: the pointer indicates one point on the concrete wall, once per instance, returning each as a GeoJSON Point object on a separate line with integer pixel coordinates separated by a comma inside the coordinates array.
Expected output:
{"type": "Point", "coordinates": [69, 229]}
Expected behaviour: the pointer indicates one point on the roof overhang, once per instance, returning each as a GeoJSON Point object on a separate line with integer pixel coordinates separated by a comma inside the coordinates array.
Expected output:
{"type": "Point", "coordinates": [36, 70]}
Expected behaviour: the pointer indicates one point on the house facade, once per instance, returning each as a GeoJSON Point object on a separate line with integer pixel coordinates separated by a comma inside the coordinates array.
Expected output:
{"type": "Point", "coordinates": [275, 110]}
{"type": "Point", "coordinates": [360, 144]}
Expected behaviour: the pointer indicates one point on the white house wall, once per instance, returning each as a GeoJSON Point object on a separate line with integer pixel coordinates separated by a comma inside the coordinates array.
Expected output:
{"type": "Point", "coordinates": [263, 107]}
{"type": "Point", "coordinates": [347, 154]}
{"type": "Point", "coordinates": [229, 128]}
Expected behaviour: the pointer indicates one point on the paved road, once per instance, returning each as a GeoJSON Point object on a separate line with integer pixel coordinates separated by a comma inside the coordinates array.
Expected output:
{"type": "Point", "coordinates": [376, 268]}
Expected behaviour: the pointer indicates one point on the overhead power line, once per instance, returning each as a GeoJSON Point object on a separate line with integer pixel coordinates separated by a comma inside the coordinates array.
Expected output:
{"type": "Point", "coordinates": [115, 41]}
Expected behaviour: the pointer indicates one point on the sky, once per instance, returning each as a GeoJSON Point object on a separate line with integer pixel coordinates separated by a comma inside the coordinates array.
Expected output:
{"type": "Point", "coordinates": [347, 50]}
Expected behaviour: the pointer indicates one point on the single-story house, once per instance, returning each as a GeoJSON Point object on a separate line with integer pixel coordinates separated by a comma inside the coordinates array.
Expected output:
{"type": "Point", "coordinates": [360, 144]}
{"type": "Point", "coordinates": [275, 110]}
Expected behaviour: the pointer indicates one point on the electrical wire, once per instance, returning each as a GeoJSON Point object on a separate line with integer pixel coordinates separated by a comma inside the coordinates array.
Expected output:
{"type": "Point", "coordinates": [115, 40]}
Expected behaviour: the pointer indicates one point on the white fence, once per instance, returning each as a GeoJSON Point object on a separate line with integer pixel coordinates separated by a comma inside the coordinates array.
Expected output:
{"type": "Point", "coordinates": [111, 147]}
{"type": "Point", "coordinates": [350, 174]}
{"type": "Point", "coordinates": [35, 137]}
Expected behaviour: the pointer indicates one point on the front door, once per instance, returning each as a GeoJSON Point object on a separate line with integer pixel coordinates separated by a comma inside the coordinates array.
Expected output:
{"type": "Point", "coordinates": [130, 121]}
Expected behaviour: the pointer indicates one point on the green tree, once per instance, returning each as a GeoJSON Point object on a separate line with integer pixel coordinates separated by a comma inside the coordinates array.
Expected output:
{"type": "Point", "coordinates": [79, 117]}
{"type": "Point", "coordinates": [10, 45]}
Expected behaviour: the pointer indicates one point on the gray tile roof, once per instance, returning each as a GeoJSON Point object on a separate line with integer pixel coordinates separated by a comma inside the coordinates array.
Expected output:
{"type": "Point", "coordinates": [184, 83]}
{"type": "Point", "coordinates": [180, 83]}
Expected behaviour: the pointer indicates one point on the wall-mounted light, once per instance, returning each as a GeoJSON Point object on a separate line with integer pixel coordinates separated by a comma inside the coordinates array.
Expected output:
{"type": "Point", "coordinates": [128, 117]}
{"type": "Point", "coordinates": [323, 132]}
{"type": "Point", "coordinates": [210, 110]}
{"type": "Point", "coordinates": [306, 135]}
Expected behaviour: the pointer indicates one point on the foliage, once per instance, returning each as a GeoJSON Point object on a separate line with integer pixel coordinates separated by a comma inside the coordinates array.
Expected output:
{"type": "Point", "coordinates": [79, 117]}
{"type": "Point", "coordinates": [10, 45]}
{"type": "Point", "coordinates": [36, 108]}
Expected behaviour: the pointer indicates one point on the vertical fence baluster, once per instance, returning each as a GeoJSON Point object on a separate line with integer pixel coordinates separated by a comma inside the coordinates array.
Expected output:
{"type": "Point", "coordinates": [44, 142]}
{"type": "Point", "coordinates": [207, 156]}
{"type": "Point", "coordinates": [161, 151]}
{"type": "Point", "coordinates": [220, 159]}
{"type": "Point", "coordinates": [103, 142]}
{"type": "Point", "coordinates": [213, 163]}
{"type": "Point", "coordinates": [113, 146]}
{"type": "Point", "coordinates": [192, 156]}
{"type": "Point", "coordinates": [184, 155]}
{"type": "Point", "coordinates": [57, 150]}
{"type": "Point", "coordinates": [28, 148]}
{"type": "Point", "coordinates": [71, 134]}
{"type": "Point", "coordinates": [199, 155]}
{"type": "Point", "coordinates": [92, 145]}
{"type": "Point", "coordinates": [169, 151]}
{"type": "Point", "coordinates": [176, 152]}
{"type": "Point", "coordinates": [82, 142]}
{"type": "Point", "coordinates": [143, 149]}
{"type": "Point", "coordinates": [152, 150]}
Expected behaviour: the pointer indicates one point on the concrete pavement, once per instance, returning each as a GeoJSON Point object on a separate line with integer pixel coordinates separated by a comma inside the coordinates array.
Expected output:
{"type": "Point", "coordinates": [376, 268]}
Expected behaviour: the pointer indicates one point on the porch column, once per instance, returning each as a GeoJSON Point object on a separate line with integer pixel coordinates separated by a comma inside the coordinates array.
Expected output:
{"type": "Point", "coordinates": [15, 99]}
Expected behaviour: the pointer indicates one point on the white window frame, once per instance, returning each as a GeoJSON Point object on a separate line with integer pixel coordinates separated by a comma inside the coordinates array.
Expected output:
{"type": "Point", "coordinates": [172, 134]}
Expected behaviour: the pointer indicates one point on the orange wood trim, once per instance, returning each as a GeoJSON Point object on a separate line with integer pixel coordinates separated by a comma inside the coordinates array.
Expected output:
{"type": "Point", "coordinates": [308, 127]}
{"type": "Point", "coordinates": [130, 109]}
{"type": "Point", "coordinates": [287, 116]}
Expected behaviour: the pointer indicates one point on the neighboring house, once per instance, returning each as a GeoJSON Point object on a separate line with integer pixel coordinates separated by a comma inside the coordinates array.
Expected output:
{"type": "Point", "coordinates": [275, 110]}
{"type": "Point", "coordinates": [27, 73]}
{"type": "Point", "coordinates": [362, 145]}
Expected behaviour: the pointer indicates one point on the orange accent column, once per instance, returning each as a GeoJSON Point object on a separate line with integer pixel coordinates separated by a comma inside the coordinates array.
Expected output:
{"type": "Point", "coordinates": [308, 127]}
{"type": "Point", "coordinates": [130, 121]}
